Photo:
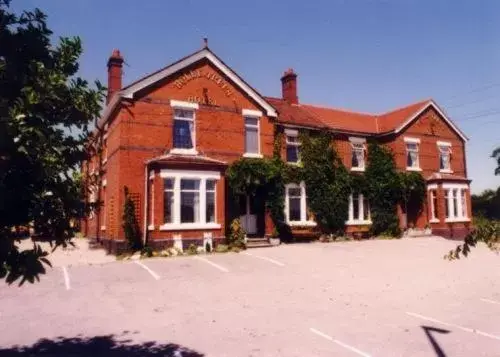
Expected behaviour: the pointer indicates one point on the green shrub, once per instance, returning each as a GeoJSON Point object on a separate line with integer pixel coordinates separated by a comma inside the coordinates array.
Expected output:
{"type": "Point", "coordinates": [222, 248]}
{"type": "Point", "coordinates": [130, 225]}
{"type": "Point", "coordinates": [236, 237]}
{"type": "Point", "coordinates": [235, 249]}
{"type": "Point", "coordinates": [147, 251]}
{"type": "Point", "coordinates": [192, 249]}
{"type": "Point", "coordinates": [208, 247]}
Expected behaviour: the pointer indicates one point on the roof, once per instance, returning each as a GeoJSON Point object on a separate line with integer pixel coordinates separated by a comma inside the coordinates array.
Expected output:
{"type": "Point", "coordinates": [446, 177]}
{"type": "Point", "coordinates": [340, 120]}
{"type": "Point", "coordinates": [186, 159]}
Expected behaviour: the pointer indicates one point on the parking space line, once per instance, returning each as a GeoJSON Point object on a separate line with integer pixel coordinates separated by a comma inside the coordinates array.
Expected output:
{"type": "Point", "coordinates": [265, 258]}
{"type": "Point", "coordinates": [467, 329]}
{"type": "Point", "coordinates": [153, 274]}
{"type": "Point", "coordinates": [490, 301]}
{"type": "Point", "coordinates": [66, 278]}
{"type": "Point", "coordinates": [220, 267]}
{"type": "Point", "coordinates": [340, 343]}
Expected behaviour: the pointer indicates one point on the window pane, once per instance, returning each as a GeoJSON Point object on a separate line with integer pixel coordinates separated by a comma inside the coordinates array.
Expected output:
{"type": "Point", "coordinates": [294, 209]}
{"type": "Point", "coordinates": [183, 113]}
{"type": "Point", "coordinates": [190, 207]}
{"type": "Point", "coordinates": [292, 139]}
{"type": "Point", "coordinates": [354, 159]}
{"type": "Point", "coordinates": [292, 153]}
{"type": "Point", "coordinates": [210, 185]}
{"type": "Point", "coordinates": [210, 217]}
{"type": "Point", "coordinates": [168, 206]}
{"type": "Point", "coordinates": [168, 184]}
{"type": "Point", "coordinates": [295, 192]}
{"type": "Point", "coordinates": [435, 205]}
{"type": "Point", "coordinates": [366, 209]}
{"type": "Point", "coordinates": [464, 203]}
{"type": "Point", "coordinates": [444, 161]}
{"type": "Point", "coordinates": [455, 203]}
{"type": "Point", "coordinates": [251, 140]}
{"type": "Point", "coordinates": [251, 121]}
{"type": "Point", "coordinates": [355, 206]}
{"type": "Point", "coordinates": [446, 203]}
{"type": "Point", "coordinates": [183, 134]}
{"type": "Point", "coordinates": [187, 184]}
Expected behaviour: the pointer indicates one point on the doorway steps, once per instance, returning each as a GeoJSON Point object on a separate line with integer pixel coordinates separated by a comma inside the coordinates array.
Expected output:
{"type": "Point", "coordinates": [258, 242]}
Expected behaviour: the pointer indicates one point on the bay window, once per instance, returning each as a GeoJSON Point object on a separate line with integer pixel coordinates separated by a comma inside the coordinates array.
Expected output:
{"type": "Point", "coordinates": [359, 210]}
{"type": "Point", "coordinates": [189, 199]}
{"type": "Point", "coordinates": [412, 154]}
{"type": "Point", "coordinates": [434, 205]}
{"type": "Point", "coordinates": [455, 200]}
{"type": "Point", "coordinates": [296, 210]}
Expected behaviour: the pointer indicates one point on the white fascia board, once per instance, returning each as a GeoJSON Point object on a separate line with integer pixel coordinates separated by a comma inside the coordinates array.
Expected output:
{"type": "Point", "coordinates": [190, 174]}
{"type": "Point", "coordinates": [451, 186]}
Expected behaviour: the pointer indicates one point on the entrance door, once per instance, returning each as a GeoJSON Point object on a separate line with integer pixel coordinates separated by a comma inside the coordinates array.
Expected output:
{"type": "Point", "coordinates": [249, 219]}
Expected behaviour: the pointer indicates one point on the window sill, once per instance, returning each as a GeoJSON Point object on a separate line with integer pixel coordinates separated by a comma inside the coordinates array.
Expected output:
{"type": "Point", "coordinates": [302, 224]}
{"type": "Point", "coordinates": [184, 151]}
{"type": "Point", "coordinates": [457, 220]}
{"type": "Point", "coordinates": [358, 223]}
{"type": "Point", "coordinates": [413, 169]}
{"type": "Point", "coordinates": [103, 228]}
{"type": "Point", "coordinates": [188, 226]}
{"type": "Point", "coordinates": [434, 220]}
{"type": "Point", "coordinates": [360, 169]}
{"type": "Point", "coordinates": [252, 155]}
{"type": "Point", "coordinates": [151, 227]}
{"type": "Point", "coordinates": [445, 171]}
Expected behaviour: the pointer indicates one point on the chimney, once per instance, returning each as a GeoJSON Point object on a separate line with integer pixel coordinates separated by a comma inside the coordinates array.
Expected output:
{"type": "Point", "coordinates": [289, 86]}
{"type": "Point", "coordinates": [115, 64]}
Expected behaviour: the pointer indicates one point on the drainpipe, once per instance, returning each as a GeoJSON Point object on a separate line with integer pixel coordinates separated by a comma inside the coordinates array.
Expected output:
{"type": "Point", "coordinates": [146, 210]}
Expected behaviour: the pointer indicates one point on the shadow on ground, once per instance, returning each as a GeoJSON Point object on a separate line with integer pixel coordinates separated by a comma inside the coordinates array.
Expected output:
{"type": "Point", "coordinates": [107, 345]}
{"type": "Point", "coordinates": [429, 332]}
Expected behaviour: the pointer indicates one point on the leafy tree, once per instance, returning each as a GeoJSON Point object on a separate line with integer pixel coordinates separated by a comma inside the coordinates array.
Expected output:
{"type": "Point", "coordinates": [496, 156]}
{"type": "Point", "coordinates": [486, 204]}
{"type": "Point", "coordinates": [130, 224]}
{"type": "Point", "coordinates": [413, 193]}
{"type": "Point", "coordinates": [327, 181]}
{"type": "Point", "coordinates": [45, 117]}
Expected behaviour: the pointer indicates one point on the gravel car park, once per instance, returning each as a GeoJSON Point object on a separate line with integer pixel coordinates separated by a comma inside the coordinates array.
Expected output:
{"type": "Point", "coordinates": [366, 298]}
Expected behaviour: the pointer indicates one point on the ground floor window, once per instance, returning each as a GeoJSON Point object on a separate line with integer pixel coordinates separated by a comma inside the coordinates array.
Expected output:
{"type": "Point", "coordinates": [296, 210]}
{"type": "Point", "coordinates": [359, 210]}
{"type": "Point", "coordinates": [434, 205]}
{"type": "Point", "coordinates": [189, 199]}
{"type": "Point", "coordinates": [455, 202]}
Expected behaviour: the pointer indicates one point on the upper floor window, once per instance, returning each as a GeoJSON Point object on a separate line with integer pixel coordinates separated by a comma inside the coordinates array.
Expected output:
{"type": "Point", "coordinates": [292, 146]}
{"type": "Point", "coordinates": [412, 154]}
{"type": "Point", "coordinates": [358, 154]}
{"type": "Point", "coordinates": [184, 129]}
{"type": "Point", "coordinates": [444, 156]}
{"type": "Point", "coordinates": [252, 135]}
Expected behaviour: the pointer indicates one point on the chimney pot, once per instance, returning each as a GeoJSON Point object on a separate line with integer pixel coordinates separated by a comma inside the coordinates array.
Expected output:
{"type": "Point", "coordinates": [115, 65]}
{"type": "Point", "coordinates": [289, 86]}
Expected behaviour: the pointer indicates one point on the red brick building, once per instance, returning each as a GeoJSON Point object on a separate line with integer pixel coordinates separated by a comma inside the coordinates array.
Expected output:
{"type": "Point", "coordinates": [170, 136]}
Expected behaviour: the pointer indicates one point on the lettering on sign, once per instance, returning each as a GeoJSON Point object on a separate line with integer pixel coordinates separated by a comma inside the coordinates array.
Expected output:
{"type": "Point", "coordinates": [201, 100]}
{"type": "Point", "coordinates": [198, 73]}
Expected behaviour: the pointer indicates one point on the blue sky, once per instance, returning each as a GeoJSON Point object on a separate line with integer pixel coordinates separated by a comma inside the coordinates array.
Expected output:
{"type": "Point", "coordinates": [364, 55]}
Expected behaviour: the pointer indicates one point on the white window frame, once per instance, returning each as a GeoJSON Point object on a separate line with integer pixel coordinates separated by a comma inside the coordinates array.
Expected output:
{"type": "Point", "coordinates": [303, 206]}
{"type": "Point", "coordinates": [203, 176]}
{"type": "Point", "coordinates": [295, 134]}
{"type": "Point", "coordinates": [432, 190]}
{"type": "Point", "coordinates": [252, 114]}
{"type": "Point", "coordinates": [417, 142]}
{"type": "Point", "coordinates": [215, 201]}
{"type": "Point", "coordinates": [151, 225]}
{"type": "Point", "coordinates": [444, 145]}
{"type": "Point", "coordinates": [177, 104]}
{"type": "Point", "coordinates": [358, 141]}
{"type": "Point", "coordinates": [355, 221]}
{"type": "Point", "coordinates": [461, 190]}
{"type": "Point", "coordinates": [103, 206]}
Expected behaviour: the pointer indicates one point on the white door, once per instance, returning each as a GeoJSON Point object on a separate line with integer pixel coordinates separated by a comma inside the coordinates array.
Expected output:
{"type": "Point", "coordinates": [249, 219]}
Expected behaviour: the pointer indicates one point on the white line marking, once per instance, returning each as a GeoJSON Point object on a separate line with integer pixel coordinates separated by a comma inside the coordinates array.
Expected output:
{"type": "Point", "coordinates": [467, 329]}
{"type": "Point", "coordinates": [340, 343]}
{"type": "Point", "coordinates": [221, 268]}
{"type": "Point", "coordinates": [265, 258]}
{"type": "Point", "coordinates": [491, 301]}
{"type": "Point", "coordinates": [153, 274]}
{"type": "Point", "coordinates": [66, 278]}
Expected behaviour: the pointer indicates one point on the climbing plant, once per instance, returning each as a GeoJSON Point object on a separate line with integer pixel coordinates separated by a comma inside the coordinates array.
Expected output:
{"type": "Point", "coordinates": [327, 182]}
{"type": "Point", "coordinates": [383, 190]}
{"type": "Point", "coordinates": [412, 193]}
{"type": "Point", "coordinates": [130, 224]}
